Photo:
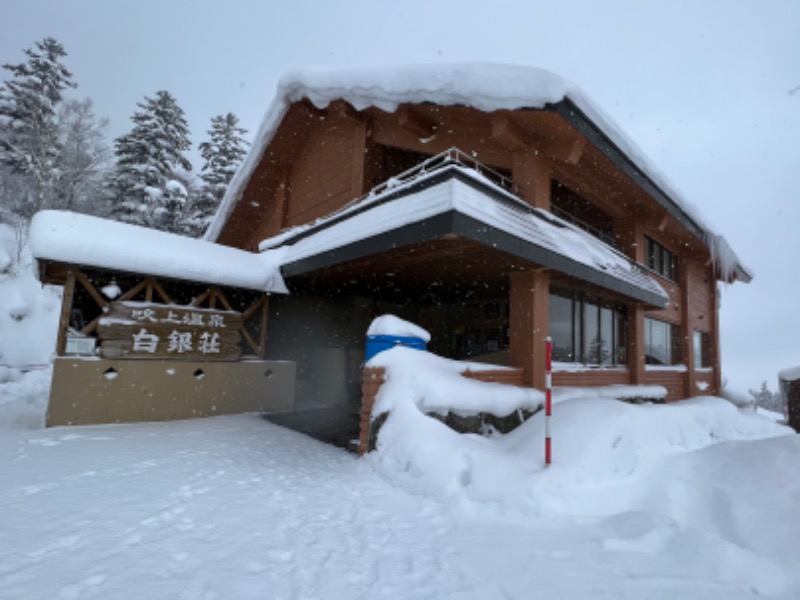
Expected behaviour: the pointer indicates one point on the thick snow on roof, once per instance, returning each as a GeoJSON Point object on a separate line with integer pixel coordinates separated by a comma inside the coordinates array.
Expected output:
{"type": "Point", "coordinates": [484, 86]}
{"type": "Point", "coordinates": [513, 217]}
{"type": "Point", "coordinates": [83, 240]}
{"type": "Point", "coordinates": [790, 374]}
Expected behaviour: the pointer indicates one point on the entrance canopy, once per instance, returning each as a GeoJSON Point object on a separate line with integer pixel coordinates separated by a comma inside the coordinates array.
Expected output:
{"type": "Point", "coordinates": [449, 225]}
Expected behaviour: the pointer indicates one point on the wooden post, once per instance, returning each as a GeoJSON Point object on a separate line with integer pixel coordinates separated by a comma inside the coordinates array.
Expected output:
{"type": "Point", "coordinates": [687, 330]}
{"type": "Point", "coordinates": [66, 312]}
{"type": "Point", "coordinates": [262, 346]}
{"type": "Point", "coordinates": [714, 339]}
{"type": "Point", "coordinates": [636, 348]}
{"type": "Point", "coordinates": [529, 323]}
{"type": "Point", "coordinates": [531, 175]}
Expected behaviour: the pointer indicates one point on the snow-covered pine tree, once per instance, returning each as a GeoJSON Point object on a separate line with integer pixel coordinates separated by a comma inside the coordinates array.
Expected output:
{"type": "Point", "coordinates": [222, 153]}
{"type": "Point", "coordinates": [29, 141]}
{"type": "Point", "coordinates": [148, 158]}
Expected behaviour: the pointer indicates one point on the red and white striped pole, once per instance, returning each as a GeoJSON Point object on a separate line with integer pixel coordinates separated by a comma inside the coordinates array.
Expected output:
{"type": "Point", "coordinates": [548, 399]}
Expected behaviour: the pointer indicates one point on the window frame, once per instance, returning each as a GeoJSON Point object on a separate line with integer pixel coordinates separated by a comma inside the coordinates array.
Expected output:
{"type": "Point", "coordinates": [672, 346]}
{"type": "Point", "coordinates": [701, 349]}
{"type": "Point", "coordinates": [660, 259]}
{"type": "Point", "coordinates": [608, 317]}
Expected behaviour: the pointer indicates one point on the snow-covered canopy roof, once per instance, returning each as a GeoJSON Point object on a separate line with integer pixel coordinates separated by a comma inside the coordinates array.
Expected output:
{"type": "Point", "coordinates": [487, 87]}
{"type": "Point", "coordinates": [89, 241]}
{"type": "Point", "coordinates": [481, 206]}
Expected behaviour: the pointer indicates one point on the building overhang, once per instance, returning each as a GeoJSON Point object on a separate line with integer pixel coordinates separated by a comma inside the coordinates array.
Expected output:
{"type": "Point", "coordinates": [457, 203]}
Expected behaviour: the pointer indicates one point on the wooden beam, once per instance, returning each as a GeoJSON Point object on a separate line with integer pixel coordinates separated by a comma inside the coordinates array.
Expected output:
{"type": "Point", "coordinates": [92, 325]}
{"type": "Point", "coordinates": [66, 312]}
{"type": "Point", "coordinates": [565, 150]}
{"type": "Point", "coordinates": [662, 224]}
{"type": "Point", "coordinates": [161, 292]}
{"type": "Point", "coordinates": [509, 133]}
{"type": "Point", "coordinates": [222, 299]}
{"type": "Point", "coordinates": [416, 123]}
{"type": "Point", "coordinates": [262, 345]}
{"type": "Point", "coordinates": [201, 298]}
{"type": "Point", "coordinates": [253, 308]}
{"type": "Point", "coordinates": [250, 341]}
{"type": "Point", "coordinates": [131, 293]}
{"type": "Point", "coordinates": [101, 302]}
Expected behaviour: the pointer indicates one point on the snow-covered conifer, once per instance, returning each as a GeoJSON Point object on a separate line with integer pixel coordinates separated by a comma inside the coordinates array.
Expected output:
{"type": "Point", "coordinates": [29, 140]}
{"type": "Point", "coordinates": [148, 158]}
{"type": "Point", "coordinates": [222, 153]}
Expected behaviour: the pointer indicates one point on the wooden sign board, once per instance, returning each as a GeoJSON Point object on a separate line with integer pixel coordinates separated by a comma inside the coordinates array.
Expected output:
{"type": "Point", "coordinates": [141, 330]}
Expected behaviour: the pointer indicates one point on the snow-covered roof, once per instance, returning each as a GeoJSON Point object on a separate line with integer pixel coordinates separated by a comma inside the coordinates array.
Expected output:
{"type": "Point", "coordinates": [532, 234]}
{"type": "Point", "coordinates": [90, 241]}
{"type": "Point", "coordinates": [791, 374]}
{"type": "Point", "coordinates": [484, 86]}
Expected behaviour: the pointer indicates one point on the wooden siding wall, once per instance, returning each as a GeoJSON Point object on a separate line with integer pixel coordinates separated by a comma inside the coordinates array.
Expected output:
{"type": "Point", "coordinates": [594, 377]}
{"type": "Point", "coordinates": [701, 300]}
{"type": "Point", "coordinates": [673, 381]}
{"type": "Point", "coordinates": [673, 311]}
{"type": "Point", "coordinates": [322, 179]}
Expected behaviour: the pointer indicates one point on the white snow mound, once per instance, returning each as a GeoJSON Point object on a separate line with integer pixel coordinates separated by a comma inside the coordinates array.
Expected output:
{"type": "Point", "coordinates": [392, 325]}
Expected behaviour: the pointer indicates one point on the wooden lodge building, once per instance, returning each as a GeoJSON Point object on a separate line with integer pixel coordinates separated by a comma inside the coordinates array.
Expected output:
{"type": "Point", "coordinates": [494, 206]}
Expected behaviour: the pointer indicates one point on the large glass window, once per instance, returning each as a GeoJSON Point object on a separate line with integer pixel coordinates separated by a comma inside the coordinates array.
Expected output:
{"type": "Point", "coordinates": [702, 350]}
{"type": "Point", "coordinates": [660, 260]}
{"type": "Point", "coordinates": [587, 329]}
{"type": "Point", "coordinates": [662, 342]}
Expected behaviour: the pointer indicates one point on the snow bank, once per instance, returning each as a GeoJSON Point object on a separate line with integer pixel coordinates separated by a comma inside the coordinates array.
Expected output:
{"type": "Point", "coordinates": [85, 240]}
{"type": "Point", "coordinates": [392, 325]}
{"type": "Point", "coordinates": [28, 312]}
{"type": "Point", "coordinates": [435, 385]}
{"type": "Point", "coordinates": [599, 444]}
{"type": "Point", "coordinates": [23, 398]}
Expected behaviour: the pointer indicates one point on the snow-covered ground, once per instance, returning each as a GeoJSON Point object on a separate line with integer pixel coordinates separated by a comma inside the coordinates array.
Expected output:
{"type": "Point", "coordinates": [695, 500]}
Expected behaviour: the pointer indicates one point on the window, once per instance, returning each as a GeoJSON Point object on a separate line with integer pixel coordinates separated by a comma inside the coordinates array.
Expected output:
{"type": "Point", "coordinates": [661, 343]}
{"type": "Point", "coordinates": [660, 260]}
{"type": "Point", "coordinates": [702, 350]}
{"type": "Point", "coordinates": [587, 329]}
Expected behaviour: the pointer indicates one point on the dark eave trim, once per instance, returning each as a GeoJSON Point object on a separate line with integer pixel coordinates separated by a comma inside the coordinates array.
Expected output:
{"type": "Point", "coordinates": [453, 222]}
{"type": "Point", "coordinates": [492, 237]}
{"type": "Point", "coordinates": [573, 115]}
{"type": "Point", "coordinates": [453, 171]}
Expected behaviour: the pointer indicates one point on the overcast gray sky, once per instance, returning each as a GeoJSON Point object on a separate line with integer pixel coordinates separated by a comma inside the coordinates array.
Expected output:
{"type": "Point", "coordinates": [710, 90]}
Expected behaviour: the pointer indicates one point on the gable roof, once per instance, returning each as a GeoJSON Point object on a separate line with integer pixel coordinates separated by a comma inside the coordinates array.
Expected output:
{"type": "Point", "coordinates": [487, 87]}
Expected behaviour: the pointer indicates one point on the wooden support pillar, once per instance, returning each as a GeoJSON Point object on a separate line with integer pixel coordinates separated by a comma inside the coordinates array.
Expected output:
{"type": "Point", "coordinates": [636, 343]}
{"type": "Point", "coordinates": [529, 324]}
{"type": "Point", "coordinates": [687, 331]}
{"type": "Point", "coordinates": [714, 339]}
{"type": "Point", "coordinates": [66, 312]}
{"type": "Point", "coordinates": [531, 175]}
{"type": "Point", "coordinates": [262, 342]}
{"type": "Point", "coordinates": [630, 238]}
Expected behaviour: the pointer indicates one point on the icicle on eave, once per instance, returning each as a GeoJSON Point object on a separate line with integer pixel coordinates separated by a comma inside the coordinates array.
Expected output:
{"type": "Point", "coordinates": [725, 261]}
